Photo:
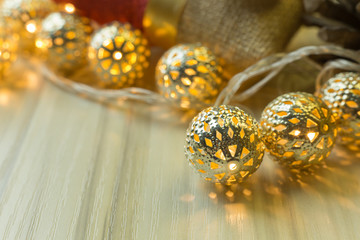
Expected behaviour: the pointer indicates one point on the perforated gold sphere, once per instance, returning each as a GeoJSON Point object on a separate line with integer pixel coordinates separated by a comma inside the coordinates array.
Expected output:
{"type": "Point", "coordinates": [8, 48]}
{"type": "Point", "coordinates": [189, 74]}
{"type": "Point", "coordinates": [342, 95]}
{"type": "Point", "coordinates": [24, 17]}
{"type": "Point", "coordinates": [224, 145]}
{"type": "Point", "coordinates": [64, 38]}
{"type": "Point", "coordinates": [119, 55]}
{"type": "Point", "coordinates": [299, 129]}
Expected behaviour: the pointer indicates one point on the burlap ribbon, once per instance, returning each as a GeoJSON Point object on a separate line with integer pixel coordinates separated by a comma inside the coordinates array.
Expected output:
{"type": "Point", "coordinates": [238, 31]}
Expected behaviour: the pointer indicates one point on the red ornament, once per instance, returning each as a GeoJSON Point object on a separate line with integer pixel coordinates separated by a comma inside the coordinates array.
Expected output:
{"type": "Point", "coordinates": [105, 11]}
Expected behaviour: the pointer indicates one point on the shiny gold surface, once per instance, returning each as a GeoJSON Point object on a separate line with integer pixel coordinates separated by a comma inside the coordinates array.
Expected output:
{"type": "Point", "coordinates": [224, 145]}
{"type": "Point", "coordinates": [299, 129]}
{"type": "Point", "coordinates": [118, 55]}
{"type": "Point", "coordinates": [64, 38]}
{"type": "Point", "coordinates": [24, 17]}
{"type": "Point", "coordinates": [342, 94]}
{"type": "Point", "coordinates": [188, 75]}
{"type": "Point", "coordinates": [161, 21]}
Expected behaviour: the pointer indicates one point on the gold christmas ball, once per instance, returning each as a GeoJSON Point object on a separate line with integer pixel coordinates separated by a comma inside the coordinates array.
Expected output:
{"type": "Point", "coordinates": [341, 93]}
{"type": "Point", "coordinates": [8, 48]}
{"type": "Point", "coordinates": [64, 38]}
{"type": "Point", "coordinates": [118, 54]}
{"type": "Point", "coordinates": [189, 74]}
{"type": "Point", "coordinates": [299, 129]}
{"type": "Point", "coordinates": [24, 17]}
{"type": "Point", "coordinates": [224, 145]}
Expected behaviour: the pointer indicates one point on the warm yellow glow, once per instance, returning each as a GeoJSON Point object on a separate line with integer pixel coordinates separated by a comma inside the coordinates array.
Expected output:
{"type": "Point", "coordinates": [212, 195]}
{"type": "Point", "coordinates": [69, 8]}
{"type": "Point", "coordinates": [32, 80]}
{"type": "Point", "coordinates": [117, 55]}
{"type": "Point", "coordinates": [31, 27]}
{"type": "Point", "coordinates": [5, 45]}
{"type": "Point", "coordinates": [6, 55]}
{"type": "Point", "coordinates": [297, 133]}
{"type": "Point", "coordinates": [232, 166]}
{"type": "Point", "coordinates": [39, 44]}
{"type": "Point", "coordinates": [4, 97]}
{"type": "Point", "coordinates": [311, 135]}
{"type": "Point", "coordinates": [229, 193]}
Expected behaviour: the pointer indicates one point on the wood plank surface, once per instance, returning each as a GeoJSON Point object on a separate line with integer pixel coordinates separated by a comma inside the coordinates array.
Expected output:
{"type": "Point", "coordinates": [75, 169]}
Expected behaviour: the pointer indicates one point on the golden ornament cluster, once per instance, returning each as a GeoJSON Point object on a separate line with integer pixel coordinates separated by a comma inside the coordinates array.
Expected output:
{"type": "Point", "coordinates": [298, 130]}
{"type": "Point", "coordinates": [223, 144]}
{"type": "Point", "coordinates": [116, 53]}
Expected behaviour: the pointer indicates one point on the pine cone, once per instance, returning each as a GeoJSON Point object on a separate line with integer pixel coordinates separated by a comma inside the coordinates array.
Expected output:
{"type": "Point", "coordinates": [339, 20]}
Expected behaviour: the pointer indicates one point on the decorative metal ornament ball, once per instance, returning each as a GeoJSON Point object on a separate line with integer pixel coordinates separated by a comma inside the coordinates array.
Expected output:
{"type": "Point", "coordinates": [64, 38]}
{"type": "Point", "coordinates": [224, 145]}
{"type": "Point", "coordinates": [8, 48]}
{"type": "Point", "coordinates": [299, 129]}
{"type": "Point", "coordinates": [342, 95]}
{"type": "Point", "coordinates": [189, 74]}
{"type": "Point", "coordinates": [119, 55]}
{"type": "Point", "coordinates": [24, 17]}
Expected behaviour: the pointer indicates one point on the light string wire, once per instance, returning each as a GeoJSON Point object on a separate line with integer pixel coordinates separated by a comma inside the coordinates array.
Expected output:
{"type": "Point", "coordinates": [274, 64]}
{"type": "Point", "coordinates": [271, 65]}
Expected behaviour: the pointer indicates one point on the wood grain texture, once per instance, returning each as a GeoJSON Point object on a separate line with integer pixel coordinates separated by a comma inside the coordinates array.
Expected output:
{"type": "Point", "coordinates": [75, 169]}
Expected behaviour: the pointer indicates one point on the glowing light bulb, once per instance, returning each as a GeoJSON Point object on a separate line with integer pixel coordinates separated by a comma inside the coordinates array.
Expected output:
{"type": "Point", "coordinates": [117, 55]}
{"type": "Point", "coordinates": [69, 8]}
{"type": "Point", "coordinates": [39, 44]}
{"type": "Point", "coordinates": [31, 27]}
{"type": "Point", "coordinates": [232, 166]}
{"type": "Point", "coordinates": [311, 136]}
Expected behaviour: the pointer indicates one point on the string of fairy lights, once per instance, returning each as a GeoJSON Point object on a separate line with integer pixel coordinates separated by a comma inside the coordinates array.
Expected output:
{"type": "Point", "coordinates": [224, 144]}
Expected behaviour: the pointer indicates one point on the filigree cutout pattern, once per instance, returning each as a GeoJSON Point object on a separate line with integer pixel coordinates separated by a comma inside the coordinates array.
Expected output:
{"type": "Point", "coordinates": [189, 74]}
{"type": "Point", "coordinates": [304, 135]}
{"type": "Point", "coordinates": [119, 54]}
{"type": "Point", "coordinates": [342, 95]}
{"type": "Point", "coordinates": [64, 38]}
{"type": "Point", "coordinates": [223, 144]}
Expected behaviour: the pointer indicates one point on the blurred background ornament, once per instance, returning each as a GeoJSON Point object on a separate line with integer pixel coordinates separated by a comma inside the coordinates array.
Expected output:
{"type": "Point", "coordinates": [8, 47]}
{"type": "Point", "coordinates": [118, 55]}
{"type": "Point", "coordinates": [224, 145]}
{"type": "Point", "coordinates": [188, 74]}
{"type": "Point", "coordinates": [24, 17]}
{"type": "Point", "coordinates": [240, 32]}
{"type": "Point", "coordinates": [339, 20]}
{"type": "Point", "coordinates": [342, 95]}
{"type": "Point", "coordinates": [64, 39]}
{"type": "Point", "coordinates": [299, 129]}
